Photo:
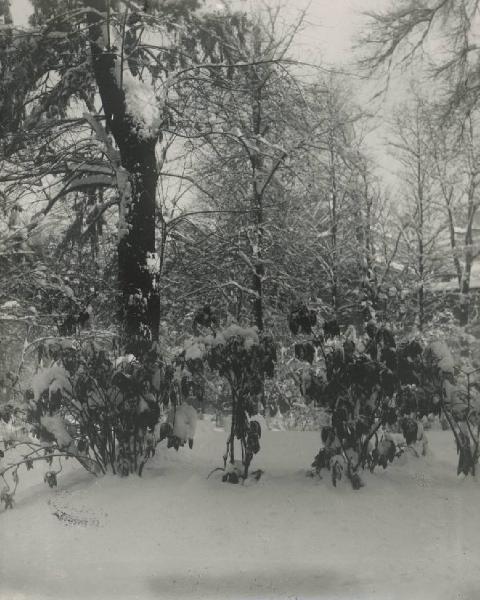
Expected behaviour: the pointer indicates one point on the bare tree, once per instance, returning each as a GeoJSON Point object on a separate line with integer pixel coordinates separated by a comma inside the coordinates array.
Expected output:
{"type": "Point", "coordinates": [444, 31]}
{"type": "Point", "coordinates": [419, 222]}
{"type": "Point", "coordinates": [244, 145]}
{"type": "Point", "coordinates": [454, 152]}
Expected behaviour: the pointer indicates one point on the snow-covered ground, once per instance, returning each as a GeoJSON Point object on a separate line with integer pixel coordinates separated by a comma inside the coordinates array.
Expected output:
{"type": "Point", "coordinates": [412, 533]}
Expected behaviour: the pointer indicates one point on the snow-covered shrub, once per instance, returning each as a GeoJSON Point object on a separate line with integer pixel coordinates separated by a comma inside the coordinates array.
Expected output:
{"type": "Point", "coordinates": [453, 368]}
{"type": "Point", "coordinates": [372, 386]}
{"type": "Point", "coordinates": [244, 359]}
{"type": "Point", "coordinates": [89, 403]}
{"type": "Point", "coordinates": [96, 404]}
{"type": "Point", "coordinates": [460, 401]}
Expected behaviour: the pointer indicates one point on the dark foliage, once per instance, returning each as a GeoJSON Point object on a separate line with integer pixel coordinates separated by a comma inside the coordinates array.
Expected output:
{"type": "Point", "coordinates": [305, 351]}
{"type": "Point", "coordinates": [204, 317]}
{"type": "Point", "coordinates": [108, 406]}
{"type": "Point", "coordinates": [301, 319]}
{"type": "Point", "coordinates": [331, 329]}
{"type": "Point", "coordinates": [376, 387]}
{"type": "Point", "coordinates": [244, 358]}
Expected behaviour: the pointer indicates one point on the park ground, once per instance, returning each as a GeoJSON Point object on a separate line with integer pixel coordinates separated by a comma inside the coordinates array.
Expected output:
{"type": "Point", "coordinates": [413, 531]}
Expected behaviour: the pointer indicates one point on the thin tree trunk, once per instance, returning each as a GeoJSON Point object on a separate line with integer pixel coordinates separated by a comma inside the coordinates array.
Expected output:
{"type": "Point", "coordinates": [467, 272]}
{"type": "Point", "coordinates": [256, 162]}
{"type": "Point", "coordinates": [420, 236]}
{"type": "Point", "coordinates": [453, 246]}
{"type": "Point", "coordinates": [334, 229]}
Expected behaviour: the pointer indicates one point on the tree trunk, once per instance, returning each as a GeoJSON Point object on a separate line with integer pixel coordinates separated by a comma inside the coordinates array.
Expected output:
{"type": "Point", "coordinates": [257, 196]}
{"type": "Point", "coordinates": [467, 272]}
{"type": "Point", "coordinates": [453, 246]}
{"type": "Point", "coordinates": [139, 298]}
{"type": "Point", "coordinates": [365, 241]}
{"type": "Point", "coordinates": [334, 227]}
{"type": "Point", "coordinates": [421, 306]}
{"type": "Point", "coordinates": [465, 302]}
{"type": "Point", "coordinates": [140, 310]}
{"type": "Point", "coordinates": [421, 235]}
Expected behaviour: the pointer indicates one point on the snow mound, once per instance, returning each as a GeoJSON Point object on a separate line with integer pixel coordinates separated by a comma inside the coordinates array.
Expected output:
{"type": "Point", "coordinates": [51, 379]}
{"type": "Point", "coordinates": [57, 427]}
{"type": "Point", "coordinates": [185, 422]}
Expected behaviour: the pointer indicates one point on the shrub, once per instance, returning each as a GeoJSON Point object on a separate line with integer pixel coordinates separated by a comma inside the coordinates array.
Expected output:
{"type": "Point", "coordinates": [97, 406]}
{"type": "Point", "coordinates": [375, 384]}
{"type": "Point", "coordinates": [94, 403]}
{"type": "Point", "coordinates": [244, 359]}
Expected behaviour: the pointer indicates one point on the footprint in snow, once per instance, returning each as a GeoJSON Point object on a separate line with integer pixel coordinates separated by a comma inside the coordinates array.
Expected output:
{"type": "Point", "coordinates": [69, 510]}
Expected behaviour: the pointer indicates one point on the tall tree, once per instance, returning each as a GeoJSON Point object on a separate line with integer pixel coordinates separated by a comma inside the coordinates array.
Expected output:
{"type": "Point", "coordinates": [338, 203]}
{"type": "Point", "coordinates": [419, 214]}
{"type": "Point", "coordinates": [454, 150]}
{"type": "Point", "coordinates": [244, 146]}
{"type": "Point", "coordinates": [136, 138]}
{"type": "Point", "coordinates": [107, 69]}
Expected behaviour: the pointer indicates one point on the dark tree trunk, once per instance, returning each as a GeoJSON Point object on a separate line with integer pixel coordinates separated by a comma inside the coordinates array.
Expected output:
{"type": "Point", "coordinates": [139, 298]}
{"type": "Point", "coordinates": [140, 308]}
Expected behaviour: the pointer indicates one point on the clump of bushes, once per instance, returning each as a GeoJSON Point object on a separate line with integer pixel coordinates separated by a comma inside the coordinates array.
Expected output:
{"type": "Point", "coordinates": [374, 385]}
{"type": "Point", "coordinates": [90, 403]}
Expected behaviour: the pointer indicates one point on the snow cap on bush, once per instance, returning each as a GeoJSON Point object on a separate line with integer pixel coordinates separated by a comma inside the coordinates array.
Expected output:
{"type": "Point", "coordinates": [57, 427]}
{"type": "Point", "coordinates": [439, 354]}
{"type": "Point", "coordinates": [52, 379]}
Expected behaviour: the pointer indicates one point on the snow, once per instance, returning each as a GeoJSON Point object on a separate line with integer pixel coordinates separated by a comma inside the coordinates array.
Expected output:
{"type": "Point", "coordinates": [196, 347]}
{"type": "Point", "coordinates": [249, 334]}
{"type": "Point", "coordinates": [123, 182]}
{"type": "Point", "coordinates": [443, 356]}
{"type": "Point", "coordinates": [194, 351]}
{"type": "Point", "coordinates": [13, 433]}
{"type": "Point", "coordinates": [52, 379]}
{"type": "Point", "coordinates": [184, 421]}
{"type": "Point", "coordinates": [56, 426]}
{"type": "Point", "coordinates": [410, 533]}
{"type": "Point", "coordinates": [124, 360]}
{"type": "Point", "coordinates": [153, 263]}
{"type": "Point", "coordinates": [10, 305]}
{"type": "Point", "coordinates": [142, 105]}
